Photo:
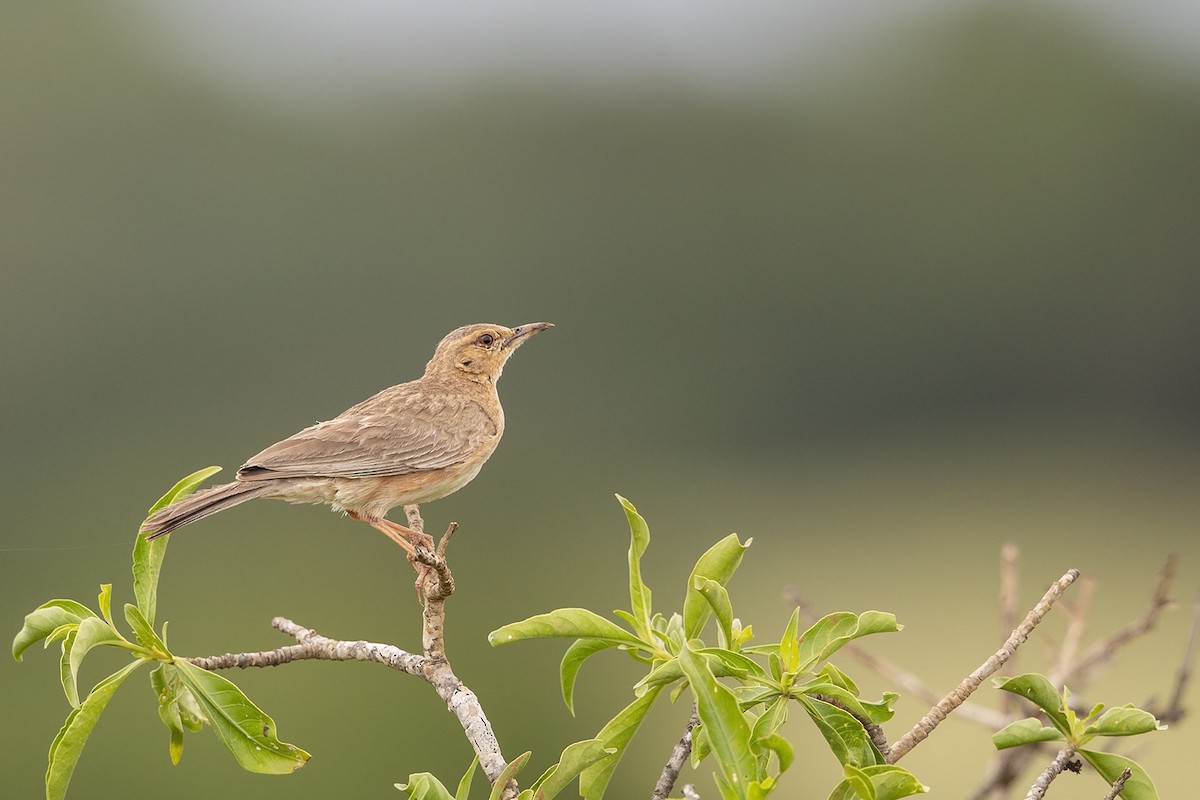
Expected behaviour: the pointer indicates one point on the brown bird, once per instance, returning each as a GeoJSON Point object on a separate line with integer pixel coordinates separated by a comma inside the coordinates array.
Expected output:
{"type": "Point", "coordinates": [412, 443]}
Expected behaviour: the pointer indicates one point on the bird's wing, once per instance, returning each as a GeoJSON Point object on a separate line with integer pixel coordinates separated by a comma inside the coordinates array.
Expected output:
{"type": "Point", "coordinates": [393, 433]}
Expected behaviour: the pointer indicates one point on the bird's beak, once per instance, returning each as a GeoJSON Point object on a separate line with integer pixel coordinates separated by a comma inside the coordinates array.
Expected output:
{"type": "Point", "coordinates": [523, 332]}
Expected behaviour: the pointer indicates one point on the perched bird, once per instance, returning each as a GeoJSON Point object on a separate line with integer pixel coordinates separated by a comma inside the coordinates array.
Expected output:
{"type": "Point", "coordinates": [412, 443]}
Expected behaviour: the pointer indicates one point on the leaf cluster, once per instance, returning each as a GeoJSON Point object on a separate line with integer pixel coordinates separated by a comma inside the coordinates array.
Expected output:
{"type": "Point", "coordinates": [1067, 726]}
{"type": "Point", "coordinates": [188, 697]}
{"type": "Point", "coordinates": [743, 693]}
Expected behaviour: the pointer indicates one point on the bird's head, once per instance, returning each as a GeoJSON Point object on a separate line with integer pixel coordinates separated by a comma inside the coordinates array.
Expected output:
{"type": "Point", "coordinates": [480, 351]}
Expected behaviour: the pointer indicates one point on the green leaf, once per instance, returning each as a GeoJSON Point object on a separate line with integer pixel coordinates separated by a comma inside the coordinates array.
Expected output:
{"type": "Point", "coordinates": [828, 690]}
{"type": "Point", "coordinates": [104, 600]}
{"type": "Point", "coordinates": [64, 668]}
{"type": "Point", "coordinates": [1110, 766]}
{"type": "Point", "coordinates": [789, 645]}
{"type": "Point", "coordinates": [726, 662]}
{"type": "Point", "coordinates": [142, 631]}
{"type": "Point", "coordinates": [507, 775]}
{"type": "Point", "coordinates": [859, 781]}
{"type": "Point", "coordinates": [845, 735]}
{"type": "Point", "coordinates": [718, 600]}
{"type": "Point", "coordinates": [177, 707]}
{"type": "Point", "coordinates": [148, 554]}
{"type": "Point", "coordinates": [615, 735]}
{"type": "Point", "coordinates": [1124, 721]}
{"type": "Point", "coordinates": [728, 730]}
{"type": "Point", "coordinates": [575, 759]}
{"type": "Point", "coordinates": [424, 786]}
{"type": "Point", "coordinates": [1038, 690]}
{"type": "Point", "coordinates": [833, 675]}
{"type": "Point", "coordinates": [639, 593]}
{"type": "Point", "coordinates": [887, 783]}
{"type": "Point", "coordinates": [68, 744]}
{"type": "Point", "coordinates": [573, 623]}
{"type": "Point", "coordinates": [572, 660]}
{"type": "Point", "coordinates": [464, 783]}
{"type": "Point", "coordinates": [718, 563]}
{"type": "Point", "coordinates": [831, 632]}
{"type": "Point", "coordinates": [45, 620]}
{"type": "Point", "coordinates": [242, 727]}
{"type": "Point", "coordinates": [1025, 731]}
{"type": "Point", "coordinates": [782, 749]}
{"type": "Point", "coordinates": [92, 633]}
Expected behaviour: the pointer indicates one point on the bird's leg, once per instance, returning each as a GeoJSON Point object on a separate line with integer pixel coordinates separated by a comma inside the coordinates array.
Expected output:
{"type": "Point", "coordinates": [406, 538]}
{"type": "Point", "coordinates": [401, 535]}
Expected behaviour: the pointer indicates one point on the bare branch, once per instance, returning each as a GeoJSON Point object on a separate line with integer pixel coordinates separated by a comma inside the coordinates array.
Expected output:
{"type": "Point", "coordinates": [1175, 710]}
{"type": "Point", "coordinates": [953, 700]}
{"type": "Point", "coordinates": [1052, 771]}
{"type": "Point", "coordinates": [1100, 653]}
{"type": "Point", "coordinates": [1078, 615]}
{"type": "Point", "coordinates": [679, 756]}
{"type": "Point", "coordinates": [436, 584]}
{"type": "Point", "coordinates": [1118, 784]}
{"type": "Point", "coordinates": [1008, 600]}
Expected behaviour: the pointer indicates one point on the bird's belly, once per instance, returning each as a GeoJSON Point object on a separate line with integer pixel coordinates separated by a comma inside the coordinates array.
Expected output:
{"type": "Point", "coordinates": [374, 497]}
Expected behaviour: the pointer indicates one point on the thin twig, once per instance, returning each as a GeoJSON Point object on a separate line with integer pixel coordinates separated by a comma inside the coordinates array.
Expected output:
{"type": "Point", "coordinates": [1052, 771]}
{"type": "Point", "coordinates": [953, 700]}
{"type": "Point", "coordinates": [437, 584]}
{"type": "Point", "coordinates": [1118, 784]}
{"type": "Point", "coordinates": [1175, 710]}
{"type": "Point", "coordinates": [1077, 614]}
{"type": "Point", "coordinates": [679, 756]}
{"type": "Point", "coordinates": [1100, 653]}
{"type": "Point", "coordinates": [1008, 601]}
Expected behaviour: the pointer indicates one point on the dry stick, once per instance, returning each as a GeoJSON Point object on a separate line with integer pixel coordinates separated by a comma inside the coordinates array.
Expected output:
{"type": "Point", "coordinates": [1008, 602]}
{"type": "Point", "coordinates": [1118, 784]}
{"type": "Point", "coordinates": [433, 666]}
{"type": "Point", "coordinates": [679, 756]}
{"type": "Point", "coordinates": [1052, 771]}
{"type": "Point", "coordinates": [1100, 653]}
{"type": "Point", "coordinates": [1011, 763]}
{"type": "Point", "coordinates": [1077, 614]}
{"type": "Point", "coordinates": [953, 700]}
{"type": "Point", "coordinates": [1175, 710]}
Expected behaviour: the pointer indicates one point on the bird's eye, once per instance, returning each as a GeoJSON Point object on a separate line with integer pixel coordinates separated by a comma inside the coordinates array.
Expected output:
{"type": "Point", "coordinates": [485, 340]}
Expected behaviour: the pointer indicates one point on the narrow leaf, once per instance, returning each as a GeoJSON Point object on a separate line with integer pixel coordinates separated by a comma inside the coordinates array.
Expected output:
{"type": "Point", "coordinates": [92, 632]}
{"type": "Point", "coordinates": [718, 563]}
{"type": "Point", "coordinates": [789, 645]}
{"type": "Point", "coordinates": [64, 668]}
{"type": "Point", "coordinates": [68, 744]}
{"type": "Point", "coordinates": [464, 783]}
{"type": "Point", "coordinates": [1110, 766]}
{"type": "Point", "coordinates": [616, 736]}
{"type": "Point", "coordinates": [242, 727]}
{"type": "Point", "coordinates": [572, 660]}
{"type": "Point", "coordinates": [1038, 690]}
{"type": "Point", "coordinates": [718, 599]}
{"type": "Point", "coordinates": [572, 623]}
{"type": "Point", "coordinates": [45, 620]}
{"type": "Point", "coordinates": [859, 781]}
{"type": "Point", "coordinates": [728, 730]}
{"type": "Point", "coordinates": [1024, 731]}
{"type": "Point", "coordinates": [575, 759]}
{"type": "Point", "coordinates": [845, 735]}
{"type": "Point", "coordinates": [508, 774]}
{"type": "Point", "coordinates": [148, 554]}
{"type": "Point", "coordinates": [142, 631]}
{"type": "Point", "coordinates": [639, 594]}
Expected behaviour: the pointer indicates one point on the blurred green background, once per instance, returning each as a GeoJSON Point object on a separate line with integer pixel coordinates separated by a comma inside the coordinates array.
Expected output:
{"type": "Point", "coordinates": [881, 286]}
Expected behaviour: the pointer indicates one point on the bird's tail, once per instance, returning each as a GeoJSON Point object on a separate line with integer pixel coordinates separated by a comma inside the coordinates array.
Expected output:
{"type": "Point", "coordinates": [200, 505]}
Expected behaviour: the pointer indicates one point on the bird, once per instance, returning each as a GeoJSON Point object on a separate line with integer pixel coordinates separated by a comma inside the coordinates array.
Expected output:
{"type": "Point", "coordinates": [408, 444]}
